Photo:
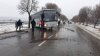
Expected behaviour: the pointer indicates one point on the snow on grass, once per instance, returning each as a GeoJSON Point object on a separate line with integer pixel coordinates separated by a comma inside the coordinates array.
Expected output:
{"type": "Point", "coordinates": [9, 27]}
{"type": "Point", "coordinates": [94, 30]}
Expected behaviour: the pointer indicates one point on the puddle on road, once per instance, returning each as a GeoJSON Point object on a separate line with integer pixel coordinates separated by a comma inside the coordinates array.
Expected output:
{"type": "Point", "coordinates": [12, 35]}
{"type": "Point", "coordinates": [39, 36]}
{"type": "Point", "coordinates": [70, 29]}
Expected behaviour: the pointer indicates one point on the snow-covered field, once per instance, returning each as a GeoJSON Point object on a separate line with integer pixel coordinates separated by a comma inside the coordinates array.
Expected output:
{"type": "Point", "coordinates": [8, 27]}
{"type": "Point", "coordinates": [94, 30]}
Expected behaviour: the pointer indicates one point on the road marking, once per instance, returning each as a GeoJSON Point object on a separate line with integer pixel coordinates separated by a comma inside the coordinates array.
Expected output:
{"type": "Point", "coordinates": [44, 41]}
{"type": "Point", "coordinates": [50, 36]}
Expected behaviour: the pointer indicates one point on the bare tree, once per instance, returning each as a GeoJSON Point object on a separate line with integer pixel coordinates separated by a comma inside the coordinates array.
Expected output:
{"type": "Point", "coordinates": [28, 6]}
{"type": "Point", "coordinates": [97, 14]}
{"type": "Point", "coordinates": [88, 10]}
{"type": "Point", "coordinates": [75, 18]}
{"type": "Point", "coordinates": [83, 14]}
{"type": "Point", "coordinates": [51, 6]}
{"type": "Point", "coordinates": [63, 17]}
{"type": "Point", "coordinates": [91, 16]}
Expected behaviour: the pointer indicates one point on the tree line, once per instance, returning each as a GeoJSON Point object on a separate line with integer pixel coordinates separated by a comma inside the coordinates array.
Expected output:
{"type": "Point", "coordinates": [55, 6]}
{"type": "Point", "coordinates": [31, 6]}
{"type": "Point", "coordinates": [88, 15]}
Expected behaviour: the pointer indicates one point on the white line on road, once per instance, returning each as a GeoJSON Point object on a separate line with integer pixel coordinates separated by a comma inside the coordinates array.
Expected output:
{"type": "Point", "coordinates": [44, 41]}
{"type": "Point", "coordinates": [50, 36]}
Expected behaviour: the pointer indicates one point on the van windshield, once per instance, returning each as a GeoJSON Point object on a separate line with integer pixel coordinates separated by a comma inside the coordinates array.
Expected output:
{"type": "Point", "coordinates": [49, 16]}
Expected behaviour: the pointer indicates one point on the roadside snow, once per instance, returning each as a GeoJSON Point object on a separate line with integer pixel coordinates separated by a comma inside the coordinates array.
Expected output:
{"type": "Point", "coordinates": [94, 30]}
{"type": "Point", "coordinates": [9, 27]}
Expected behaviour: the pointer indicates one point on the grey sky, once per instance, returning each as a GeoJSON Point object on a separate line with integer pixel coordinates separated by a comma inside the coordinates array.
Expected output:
{"type": "Point", "coordinates": [69, 7]}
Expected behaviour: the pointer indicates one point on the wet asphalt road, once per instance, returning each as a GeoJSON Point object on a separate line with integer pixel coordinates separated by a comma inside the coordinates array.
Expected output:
{"type": "Point", "coordinates": [67, 41]}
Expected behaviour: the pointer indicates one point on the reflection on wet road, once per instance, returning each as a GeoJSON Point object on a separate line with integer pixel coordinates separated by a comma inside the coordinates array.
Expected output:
{"type": "Point", "coordinates": [68, 41]}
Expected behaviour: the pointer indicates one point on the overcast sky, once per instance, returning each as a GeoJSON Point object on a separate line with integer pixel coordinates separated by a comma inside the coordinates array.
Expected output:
{"type": "Point", "coordinates": [70, 8]}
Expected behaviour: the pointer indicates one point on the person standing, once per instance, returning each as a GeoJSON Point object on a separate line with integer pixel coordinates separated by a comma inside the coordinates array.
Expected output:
{"type": "Point", "coordinates": [16, 25]}
{"type": "Point", "coordinates": [42, 24]}
{"type": "Point", "coordinates": [58, 24]}
{"type": "Point", "coordinates": [42, 21]}
{"type": "Point", "coordinates": [33, 23]}
{"type": "Point", "coordinates": [19, 23]}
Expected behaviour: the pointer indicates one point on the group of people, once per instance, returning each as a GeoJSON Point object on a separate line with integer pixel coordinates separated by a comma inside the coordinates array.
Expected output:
{"type": "Point", "coordinates": [18, 24]}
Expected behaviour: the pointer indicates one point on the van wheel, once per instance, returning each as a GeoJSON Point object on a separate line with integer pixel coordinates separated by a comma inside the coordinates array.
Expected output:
{"type": "Point", "coordinates": [51, 28]}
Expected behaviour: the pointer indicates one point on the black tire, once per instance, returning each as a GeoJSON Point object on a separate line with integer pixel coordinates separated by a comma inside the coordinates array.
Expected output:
{"type": "Point", "coordinates": [51, 28]}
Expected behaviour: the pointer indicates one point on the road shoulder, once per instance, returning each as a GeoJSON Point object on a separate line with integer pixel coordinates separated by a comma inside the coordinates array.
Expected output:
{"type": "Point", "coordinates": [90, 32]}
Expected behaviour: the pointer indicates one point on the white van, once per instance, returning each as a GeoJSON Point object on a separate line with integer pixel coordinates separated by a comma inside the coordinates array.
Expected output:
{"type": "Point", "coordinates": [51, 17]}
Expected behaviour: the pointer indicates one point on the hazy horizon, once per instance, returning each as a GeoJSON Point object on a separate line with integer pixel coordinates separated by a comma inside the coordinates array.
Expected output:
{"type": "Point", "coordinates": [8, 8]}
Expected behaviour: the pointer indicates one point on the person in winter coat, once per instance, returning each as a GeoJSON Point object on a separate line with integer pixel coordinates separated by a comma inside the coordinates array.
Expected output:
{"type": "Point", "coordinates": [33, 23]}
{"type": "Point", "coordinates": [16, 25]}
{"type": "Point", "coordinates": [19, 23]}
{"type": "Point", "coordinates": [42, 21]}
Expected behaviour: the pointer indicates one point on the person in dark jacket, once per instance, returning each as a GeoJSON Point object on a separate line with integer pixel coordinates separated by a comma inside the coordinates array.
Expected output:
{"type": "Point", "coordinates": [58, 23]}
{"type": "Point", "coordinates": [33, 23]}
{"type": "Point", "coordinates": [16, 26]}
{"type": "Point", "coordinates": [19, 24]}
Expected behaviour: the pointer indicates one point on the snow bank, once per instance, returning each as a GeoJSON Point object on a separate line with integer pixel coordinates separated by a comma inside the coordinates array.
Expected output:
{"type": "Point", "coordinates": [94, 30]}
{"type": "Point", "coordinates": [9, 27]}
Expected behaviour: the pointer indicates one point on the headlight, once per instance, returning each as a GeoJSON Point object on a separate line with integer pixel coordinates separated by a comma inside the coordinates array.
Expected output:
{"type": "Point", "coordinates": [45, 25]}
{"type": "Point", "coordinates": [57, 24]}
